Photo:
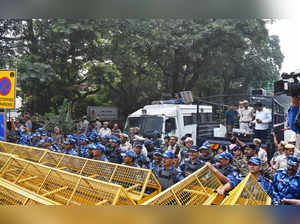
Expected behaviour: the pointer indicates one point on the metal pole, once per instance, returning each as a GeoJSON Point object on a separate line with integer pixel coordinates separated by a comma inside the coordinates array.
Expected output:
{"type": "Point", "coordinates": [198, 123]}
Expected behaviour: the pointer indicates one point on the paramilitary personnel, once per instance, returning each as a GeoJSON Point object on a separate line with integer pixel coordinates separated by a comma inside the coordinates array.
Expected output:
{"type": "Point", "coordinates": [190, 165]}
{"type": "Point", "coordinates": [167, 174]}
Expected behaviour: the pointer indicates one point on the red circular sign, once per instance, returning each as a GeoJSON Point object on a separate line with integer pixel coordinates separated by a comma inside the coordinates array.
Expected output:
{"type": "Point", "coordinates": [5, 86]}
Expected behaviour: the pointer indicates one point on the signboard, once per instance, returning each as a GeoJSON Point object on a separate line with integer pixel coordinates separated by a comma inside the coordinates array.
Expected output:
{"type": "Point", "coordinates": [187, 97]}
{"type": "Point", "coordinates": [8, 89]}
{"type": "Point", "coordinates": [2, 126]}
{"type": "Point", "coordinates": [104, 113]}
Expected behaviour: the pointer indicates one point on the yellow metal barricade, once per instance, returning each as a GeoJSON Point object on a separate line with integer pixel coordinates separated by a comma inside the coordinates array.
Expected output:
{"type": "Point", "coordinates": [197, 189]}
{"type": "Point", "coordinates": [11, 194]}
{"type": "Point", "coordinates": [60, 186]}
{"type": "Point", "coordinates": [140, 184]}
{"type": "Point", "coordinates": [248, 192]}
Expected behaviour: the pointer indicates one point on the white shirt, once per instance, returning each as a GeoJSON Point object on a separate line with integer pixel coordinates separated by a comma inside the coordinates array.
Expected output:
{"type": "Point", "coordinates": [265, 116]}
{"type": "Point", "coordinates": [104, 132]}
{"type": "Point", "coordinates": [262, 154]}
{"type": "Point", "coordinates": [281, 162]}
{"type": "Point", "coordinates": [125, 147]}
{"type": "Point", "coordinates": [246, 115]}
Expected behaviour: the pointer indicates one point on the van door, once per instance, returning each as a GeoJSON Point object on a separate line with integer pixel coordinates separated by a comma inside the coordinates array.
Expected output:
{"type": "Point", "coordinates": [170, 126]}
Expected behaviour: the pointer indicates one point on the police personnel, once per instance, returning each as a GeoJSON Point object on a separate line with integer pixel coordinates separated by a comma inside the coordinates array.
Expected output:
{"type": "Point", "coordinates": [190, 165]}
{"type": "Point", "coordinates": [156, 163]}
{"type": "Point", "coordinates": [114, 151]}
{"type": "Point", "coordinates": [69, 148]}
{"type": "Point", "coordinates": [166, 175]}
{"type": "Point", "coordinates": [83, 149]}
{"type": "Point", "coordinates": [98, 153]}
{"type": "Point", "coordinates": [141, 159]}
{"type": "Point", "coordinates": [255, 168]}
{"type": "Point", "coordinates": [129, 158]}
{"type": "Point", "coordinates": [223, 168]}
{"type": "Point", "coordinates": [286, 182]}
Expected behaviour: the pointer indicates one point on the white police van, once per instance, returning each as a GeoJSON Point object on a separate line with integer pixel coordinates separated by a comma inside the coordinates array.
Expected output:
{"type": "Point", "coordinates": [168, 119]}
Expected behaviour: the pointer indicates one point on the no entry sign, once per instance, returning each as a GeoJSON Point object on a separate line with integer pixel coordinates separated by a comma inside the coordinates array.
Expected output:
{"type": "Point", "coordinates": [8, 89]}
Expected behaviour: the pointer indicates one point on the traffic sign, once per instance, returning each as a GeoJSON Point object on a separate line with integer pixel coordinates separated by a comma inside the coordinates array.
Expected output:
{"type": "Point", "coordinates": [8, 88]}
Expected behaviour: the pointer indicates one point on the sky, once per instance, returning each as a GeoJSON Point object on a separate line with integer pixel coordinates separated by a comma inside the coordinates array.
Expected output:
{"type": "Point", "coordinates": [288, 31]}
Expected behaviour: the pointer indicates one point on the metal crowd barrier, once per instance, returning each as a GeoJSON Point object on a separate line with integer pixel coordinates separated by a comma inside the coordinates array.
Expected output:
{"type": "Point", "coordinates": [248, 192]}
{"type": "Point", "coordinates": [60, 186]}
{"type": "Point", "coordinates": [140, 184]}
{"type": "Point", "coordinates": [198, 188]}
{"type": "Point", "coordinates": [11, 194]}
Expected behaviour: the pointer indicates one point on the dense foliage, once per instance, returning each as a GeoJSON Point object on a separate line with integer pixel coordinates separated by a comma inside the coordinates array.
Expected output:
{"type": "Point", "coordinates": [129, 63]}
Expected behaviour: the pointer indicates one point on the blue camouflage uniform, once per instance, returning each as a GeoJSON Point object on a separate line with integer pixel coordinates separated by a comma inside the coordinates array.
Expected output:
{"type": "Point", "coordinates": [142, 161]}
{"type": "Point", "coordinates": [101, 148]}
{"type": "Point", "coordinates": [264, 183]}
{"type": "Point", "coordinates": [132, 154]}
{"type": "Point", "coordinates": [152, 165]}
{"type": "Point", "coordinates": [286, 186]}
{"type": "Point", "coordinates": [92, 135]}
{"type": "Point", "coordinates": [72, 151]}
{"type": "Point", "coordinates": [25, 138]}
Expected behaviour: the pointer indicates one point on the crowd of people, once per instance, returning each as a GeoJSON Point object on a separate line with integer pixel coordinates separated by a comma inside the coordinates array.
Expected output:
{"type": "Point", "coordinates": [172, 159]}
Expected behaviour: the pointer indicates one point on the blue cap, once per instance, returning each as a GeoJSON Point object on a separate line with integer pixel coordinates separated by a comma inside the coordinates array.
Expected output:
{"type": "Point", "coordinates": [204, 147]}
{"type": "Point", "coordinates": [255, 160]}
{"type": "Point", "coordinates": [157, 151]}
{"type": "Point", "coordinates": [48, 139]}
{"type": "Point", "coordinates": [224, 155]}
{"type": "Point", "coordinates": [129, 153]}
{"type": "Point", "coordinates": [67, 142]}
{"type": "Point", "coordinates": [91, 146]}
{"type": "Point", "coordinates": [292, 161]}
{"type": "Point", "coordinates": [155, 132]}
{"type": "Point", "coordinates": [169, 155]}
{"type": "Point", "coordinates": [138, 144]}
{"type": "Point", "coordinates": [206, 144]}
{"type": "Point", "coordinates": [115, 140]}
{"type": "Point", "coordinates": [83, 138]}
{"type": "Point", "coordinates": [194, 148]}
{"type": "Point", "coordinates": [106, 137]}
{"type": "Point", "coordinates": [148, 142]}
{"type": "Point", "coordinates": [36, 134]}
{"type": "Point", "coordinates": [100, 147]}
{"type": "Point", "coordinates": [28, 125]}
{"type": "Point", "coordinates": [252, 146]}
{"type": "Point", "coordinates": [44, 134]}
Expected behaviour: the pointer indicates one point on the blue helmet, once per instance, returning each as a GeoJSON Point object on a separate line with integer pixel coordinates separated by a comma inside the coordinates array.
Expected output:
{"type": "Point", "coordinates": [91, 146]}
{"type": "Point", "coordinates": [224, 155]}
{"type": "Point", "coordinates": [48, 139]}
{"type": "Point", "coordinates": [100, 147]}
{"type": "Point", "coordinates": [255, 160]}
{"type": "Point", "coordinates": [129, 153]}
{"type": "Point", "coordinates": [138, 144]}
{"type": "Point", "coordinates": [169, 155]}
{"type": "Point", "coordinates": [293, 161]}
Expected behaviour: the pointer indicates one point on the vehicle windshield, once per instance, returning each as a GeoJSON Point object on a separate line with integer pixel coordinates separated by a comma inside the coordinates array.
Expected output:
{"type": "Point", "coordinates": [147, 124]}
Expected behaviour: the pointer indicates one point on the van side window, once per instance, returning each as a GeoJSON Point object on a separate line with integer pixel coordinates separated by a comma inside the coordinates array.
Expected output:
{"type": "Point", "coordinates": [188, 120]}
{"type": "Point", "coordinates": [170, 125]}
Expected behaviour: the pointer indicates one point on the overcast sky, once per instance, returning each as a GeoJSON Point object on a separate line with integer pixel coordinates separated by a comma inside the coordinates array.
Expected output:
{"type": "Point", "coordinates": [288, 31]}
